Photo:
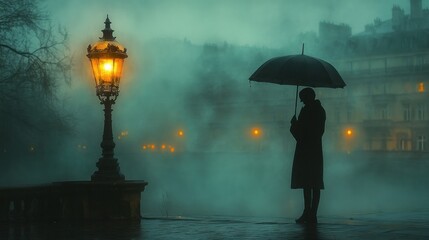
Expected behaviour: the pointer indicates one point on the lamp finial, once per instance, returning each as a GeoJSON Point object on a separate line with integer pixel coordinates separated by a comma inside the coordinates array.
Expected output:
{"type": "Point", "coordinates": [107, 31]}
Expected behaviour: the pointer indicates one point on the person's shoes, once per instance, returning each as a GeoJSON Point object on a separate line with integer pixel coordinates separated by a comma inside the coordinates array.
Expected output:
{"type": "Point", "coordinates": [312, 218]}
{"type": "Point", "coordinates": [303, 219]}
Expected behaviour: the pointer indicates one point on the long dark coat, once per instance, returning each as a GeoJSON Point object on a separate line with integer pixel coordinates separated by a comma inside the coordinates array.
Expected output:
{"type": "Point", "coordinates": [307, 169]}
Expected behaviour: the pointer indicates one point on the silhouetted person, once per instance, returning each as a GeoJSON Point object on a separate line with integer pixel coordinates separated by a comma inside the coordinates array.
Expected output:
{"type": "Point", "coordinates": [307, 169]}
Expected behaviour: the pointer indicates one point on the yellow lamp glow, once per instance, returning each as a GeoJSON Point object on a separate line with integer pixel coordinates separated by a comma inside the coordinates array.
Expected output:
{"type": "Point", "coordinates": [107, 67]}
{"type": "Point", "coordinates": [180, 133]}
{"type": "Point", "coordinates": [349, 132]}
{"type": "Point", "coordinates": [256, 132]}
{"type": "Point", "coordinates": [421, 87]}
{"type": "Point", "coordinates": [107, 58]}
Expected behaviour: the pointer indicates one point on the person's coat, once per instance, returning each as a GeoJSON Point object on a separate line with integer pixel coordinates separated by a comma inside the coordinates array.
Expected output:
{"type": "Point", "coordinates": [308, 129]}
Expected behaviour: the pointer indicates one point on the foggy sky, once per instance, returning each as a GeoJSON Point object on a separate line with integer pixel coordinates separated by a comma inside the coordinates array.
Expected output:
{"type": "Point", "coordinates": [254, 22]}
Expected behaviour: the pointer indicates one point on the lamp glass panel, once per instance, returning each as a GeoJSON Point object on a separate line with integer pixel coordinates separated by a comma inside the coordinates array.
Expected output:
{"type": "Point", "coordinates": [118, 64]}
{"type": "Point", "coordinates": [106, 70]}
{"type": "Point", "coordinates": [95, 70]}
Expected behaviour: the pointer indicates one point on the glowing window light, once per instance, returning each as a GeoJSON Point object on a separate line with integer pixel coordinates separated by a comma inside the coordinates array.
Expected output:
{"type": "Point", "coordinates": [81, 146]}
{"type": "Point", "coordinates": [163, 146]}
{"type": "Point", "coordinates": [172, 149]}
{"type": "Point", "coordinates": [180, 133]}
{"type": "Point", "coordinates": [421, 87]}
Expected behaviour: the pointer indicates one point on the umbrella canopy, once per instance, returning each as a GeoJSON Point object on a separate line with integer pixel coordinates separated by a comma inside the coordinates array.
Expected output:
{"type": "Point", "coordinates": [299, 70]}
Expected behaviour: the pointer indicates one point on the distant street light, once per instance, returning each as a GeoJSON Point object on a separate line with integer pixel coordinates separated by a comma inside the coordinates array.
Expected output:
{"type": "Point", "coordinates": [180, 133]}
{"type": "Point", "coordinates": [107, 58]}
{"type": "Point", "coordinates": [256, 132]}
{"type": "Point", "coordinates": [349, 132]}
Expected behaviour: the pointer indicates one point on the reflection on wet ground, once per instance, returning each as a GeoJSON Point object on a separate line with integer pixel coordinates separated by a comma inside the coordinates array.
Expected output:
{"type": "Point", "coordinates": [410, 225]}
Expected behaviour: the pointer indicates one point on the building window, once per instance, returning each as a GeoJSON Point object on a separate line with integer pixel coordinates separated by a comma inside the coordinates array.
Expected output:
{"type": "Point", "coordinates": [421, 112]}
{"type": "Point", "coordinates": [421, 141]}
{"type": "Point", "coordinates": [403, 141]}
{"type": "Point", "coordinates": [384, 112]}
{"type": "Point", "coordinates": [380, 112]}
{"type": "Point", "coordinates": [402, 144]}
{"type": "Point", "coordinates": [421, 87]}
{"type": "Point", "coordinates": [407, 112]}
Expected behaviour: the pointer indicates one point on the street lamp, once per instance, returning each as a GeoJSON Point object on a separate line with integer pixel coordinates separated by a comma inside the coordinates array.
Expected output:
{"type": "Point", "coordinates": [256, 132]}
{"type": "Point", "coordinates": [107, 58]}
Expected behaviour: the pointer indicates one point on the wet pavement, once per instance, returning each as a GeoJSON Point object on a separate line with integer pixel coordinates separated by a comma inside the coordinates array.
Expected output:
{"type": "Point", "coordinates": [399, 225]}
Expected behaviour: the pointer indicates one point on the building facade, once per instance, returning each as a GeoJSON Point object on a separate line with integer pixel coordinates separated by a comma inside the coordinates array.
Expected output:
{"type": "Point", "coordinates": [384, 106]}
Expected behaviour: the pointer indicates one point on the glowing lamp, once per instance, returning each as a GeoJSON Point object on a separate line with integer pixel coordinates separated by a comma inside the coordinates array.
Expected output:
{"type": "Point", "coordinates": [421, 87]}
{"type": "Point", "coordinates": [180, 133]}
{"type": "Point", "coordinates": [107, 59]}
{"type": "Point", "coordinates": [349, 132]}
{"type": "Point", "coordinates": [256, 132]}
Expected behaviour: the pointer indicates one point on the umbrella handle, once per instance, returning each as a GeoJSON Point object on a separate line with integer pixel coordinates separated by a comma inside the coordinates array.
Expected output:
{"type": "Point", "coordinates": [296, 94]}
{"type": "Point", "coordinates": [296, 98]}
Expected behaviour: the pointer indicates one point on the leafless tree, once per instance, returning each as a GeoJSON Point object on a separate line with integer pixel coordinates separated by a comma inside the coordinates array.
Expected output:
{"type": "Point", "coordinates": [34, 62]}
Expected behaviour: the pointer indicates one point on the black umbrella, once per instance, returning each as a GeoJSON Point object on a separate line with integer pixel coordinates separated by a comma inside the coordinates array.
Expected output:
{"type": "Point", "coordinates": [299, 70]}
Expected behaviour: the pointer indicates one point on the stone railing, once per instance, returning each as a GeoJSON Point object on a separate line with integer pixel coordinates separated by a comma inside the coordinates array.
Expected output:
{"type": "Point", "coordinates": [65, 201]}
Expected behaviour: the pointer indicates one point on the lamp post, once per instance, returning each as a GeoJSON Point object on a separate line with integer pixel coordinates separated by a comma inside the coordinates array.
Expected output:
{"type": "Point", "coordinates": [108, 196]}
{"type": "Point", "coordinates": [107, 58]}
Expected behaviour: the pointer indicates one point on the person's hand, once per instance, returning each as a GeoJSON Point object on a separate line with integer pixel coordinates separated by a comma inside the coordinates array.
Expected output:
{"type": "Point", "coordinates": [293, 120]}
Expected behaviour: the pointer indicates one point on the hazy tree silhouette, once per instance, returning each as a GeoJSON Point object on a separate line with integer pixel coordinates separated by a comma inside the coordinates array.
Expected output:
{"type": "Point", "coordinates": [34, 62]}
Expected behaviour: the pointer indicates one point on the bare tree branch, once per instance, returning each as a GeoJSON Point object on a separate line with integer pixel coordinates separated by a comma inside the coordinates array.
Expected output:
{"type": "Point", "coordinates": [34, 62]}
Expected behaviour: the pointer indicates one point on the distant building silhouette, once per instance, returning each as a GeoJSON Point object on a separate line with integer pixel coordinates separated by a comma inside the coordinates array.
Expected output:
{"type": "Point", "coordinates": [384, 106]}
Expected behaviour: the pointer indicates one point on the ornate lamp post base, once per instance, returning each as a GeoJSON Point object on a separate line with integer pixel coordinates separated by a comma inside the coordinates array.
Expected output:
{"type": "Point", "coordinates": [108, 170]}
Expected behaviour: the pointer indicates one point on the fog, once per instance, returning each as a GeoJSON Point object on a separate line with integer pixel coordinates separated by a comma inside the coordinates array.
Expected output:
{"type": "Point", "coordinates": [188, 68]}
{"type": "Point", "coordinates": [252, 22]}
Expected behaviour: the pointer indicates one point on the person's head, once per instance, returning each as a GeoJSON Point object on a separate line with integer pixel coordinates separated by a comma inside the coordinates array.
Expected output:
{"type": "Point", "coordinates": [307, 95]}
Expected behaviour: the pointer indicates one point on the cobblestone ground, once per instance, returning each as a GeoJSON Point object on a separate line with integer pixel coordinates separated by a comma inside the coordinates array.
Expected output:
{"type": "Point", "coordinates": [409, 225]}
